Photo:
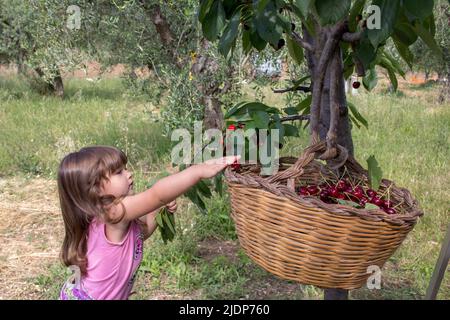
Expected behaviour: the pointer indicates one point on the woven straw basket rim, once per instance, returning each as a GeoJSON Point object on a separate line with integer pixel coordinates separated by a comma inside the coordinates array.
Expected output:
{"type": "Point", "coordinates": [278, 185]}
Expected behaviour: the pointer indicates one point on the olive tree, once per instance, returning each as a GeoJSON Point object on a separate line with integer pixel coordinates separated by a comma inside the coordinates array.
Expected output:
{"type": "Point", "coordinates": [35, 35]}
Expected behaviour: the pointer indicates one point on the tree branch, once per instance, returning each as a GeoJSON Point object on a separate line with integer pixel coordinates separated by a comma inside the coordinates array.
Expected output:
{"type": "Point", "coordinates": [352, 36]}
{"type": "Point", "coordinates": [301, 42]}
{"type": "Point", "coordinates": [335, 75]}
{"type": "Point", "coordinates": [295, 117]}
{"type": "Point", "coordinates": [331, 43]}
{"type": "Point", "coordinates": [299, 88]}
{"type": "Point", "coordinates": [163, 29]}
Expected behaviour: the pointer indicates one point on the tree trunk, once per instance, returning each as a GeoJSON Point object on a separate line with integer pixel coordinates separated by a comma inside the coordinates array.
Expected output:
{"type": "Point", "coordinates": [327, 98]}
{"type": "Point", "coordinates": [444, 95]}
{"type": "Point", "coordinates": [344, 137]}
{"type": "Point", "coordinates": [55, 85]}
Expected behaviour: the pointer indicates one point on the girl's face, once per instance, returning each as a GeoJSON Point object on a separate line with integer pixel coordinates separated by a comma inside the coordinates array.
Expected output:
{"type": "Point", "coordinates": [120, 183]}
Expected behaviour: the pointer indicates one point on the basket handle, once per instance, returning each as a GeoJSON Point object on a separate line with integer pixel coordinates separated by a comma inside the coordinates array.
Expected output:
{"type": "Point", "coordinates": [314, 151]}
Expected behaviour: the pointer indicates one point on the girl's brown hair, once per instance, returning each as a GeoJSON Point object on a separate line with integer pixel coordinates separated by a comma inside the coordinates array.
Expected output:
{"type": "Point", "coordinates": [80, 178]}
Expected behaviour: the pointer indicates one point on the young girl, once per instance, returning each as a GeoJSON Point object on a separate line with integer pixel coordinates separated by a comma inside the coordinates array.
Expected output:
{"type": "Point", "coordinates": [105, 224]}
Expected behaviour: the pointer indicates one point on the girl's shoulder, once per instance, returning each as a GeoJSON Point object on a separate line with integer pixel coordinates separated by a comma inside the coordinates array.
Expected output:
{"type": "Point", "coordinates": [114, 234]}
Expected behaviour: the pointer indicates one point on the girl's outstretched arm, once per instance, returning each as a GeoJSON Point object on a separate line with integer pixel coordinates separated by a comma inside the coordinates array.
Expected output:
{"type": "Point", "coordinates": [169, 188]}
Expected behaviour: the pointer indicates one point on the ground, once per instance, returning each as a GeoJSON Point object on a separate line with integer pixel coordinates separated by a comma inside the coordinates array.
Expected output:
{"type": "Point", "coordinates": [31, 233]}
{"type": "Point", "coordinates": [31, 230]}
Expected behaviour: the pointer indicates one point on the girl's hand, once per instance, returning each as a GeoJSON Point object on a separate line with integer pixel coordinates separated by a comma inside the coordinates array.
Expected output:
{"type": "Point", "coordinates": [212, 167]}
{"type": "Point", "coordinates": [172, 206]}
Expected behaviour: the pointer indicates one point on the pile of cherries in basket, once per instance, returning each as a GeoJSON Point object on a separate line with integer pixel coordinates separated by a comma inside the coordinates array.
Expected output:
{"type": "Point", "coordinates": [343, 190]}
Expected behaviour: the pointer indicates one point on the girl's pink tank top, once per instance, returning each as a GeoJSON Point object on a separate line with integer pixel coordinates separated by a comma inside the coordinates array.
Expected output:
{"type": "Point", "coordinates": [112, 267]}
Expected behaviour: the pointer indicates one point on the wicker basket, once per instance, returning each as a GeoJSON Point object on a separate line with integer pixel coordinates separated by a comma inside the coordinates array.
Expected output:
{"type": "Point", "coordinates": [310, 241]}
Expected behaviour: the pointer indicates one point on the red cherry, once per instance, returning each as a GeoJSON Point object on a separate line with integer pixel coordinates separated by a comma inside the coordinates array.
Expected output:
{"type": "Point", "coordinates": [349, 189]}
{"type": "Point", "coordinates": [324, 197]}
{"type": "Point", "coordinates": [359, 189]}
{"type": "Point", "coordinates": [323, 186]}
{"type": "Point", "coordinates": [387, 204]}
{"type": "Point", "coordinates": [235, 165]}
{"type": "Point", "coordinates": [390, 211]}
{"type": "Point", "coordinates": [313, 190]}
{"type": "Point", "coordinates": [371, 193]}
{"type": "Point", "coordinates": [377, 201]}
{"type": "Point", "coordinates": [363, 201]}
{"type": "Point", "coordinates": [356, 84]}
{"type": "Point", "coordinates": [231, 127]}
{"type": "Point", "coordinates": [303, 191]}
{"type": "Point", "coordinates": [357, 194]}
{"type": "Point", "coordinates": [334, 192]}
{"type": "Point", "coordinates": [341, 185]}
{"type": "Point", "coordinates": [351, 197]}
{"type": "Point", "coordinates": [324, 193]}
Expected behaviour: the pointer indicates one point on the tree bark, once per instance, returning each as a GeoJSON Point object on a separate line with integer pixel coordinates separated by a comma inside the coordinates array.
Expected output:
{"type": "Point", "coordinates": [213, 116]}
{"type": "Point", "coordinates": [344, 137]}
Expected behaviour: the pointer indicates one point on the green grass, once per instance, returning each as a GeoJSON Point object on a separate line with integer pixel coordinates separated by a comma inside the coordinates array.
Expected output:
{"type": "Point", "coordinates": [408, 134]}
{"type": "Point", "coordinates": [38, 131]}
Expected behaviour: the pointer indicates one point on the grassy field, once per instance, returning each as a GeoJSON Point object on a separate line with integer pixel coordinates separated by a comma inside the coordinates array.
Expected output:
{"type": "Point", "coordinates": [408, 133]}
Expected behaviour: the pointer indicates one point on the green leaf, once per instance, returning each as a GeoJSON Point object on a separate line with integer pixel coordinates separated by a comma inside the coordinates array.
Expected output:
{"type": "Point", "coordinates": [371, 206]}
{"type": "Point", "coordinates": [230, 34]}
{"type": "Point", "coordinates": [295, 51]}
{"type": "Point", "coordinates": [370, 80]}
{"type": "Point", "coordinates": [332, 11]}
{"type": "Point", "coordinates": [404, 31]}
{"type": "Point", "coordinates": [290, 130]}
{"type": "Point", "coordinates": [348, 203]}
{"type": "Point", "coordinates": [353, 120]}
{"type": "Point", "coordinates": [290, 111]}
{"type": "Point", "coordinates": [375, 173]}
{"type": "Point", "coordinates": [356, 10]}
{"type": "Point", "coordinates": [261, 119]}
{"type": "Point", "coordinates": [158, 219]}
{"type": "Point", "coordinates": [303, 6]}
{"type": "Point", "coordinates": [246, 43]}
{"type": "Point", "coordinates": [304, 104]}
{"type": "Point", "coordinates": [388, 19]}
{"type": "Point", "coordinates": [425, 35]}
{"type": "Point", "coordinates": [230, 6]}
{"type": "Point", "coordinates": [348, 71]}
{"type": "Point", "coordinates": [404, 52]}
{"type": "Point", "coordinates": [365, 52]}
{"type": "Point", "coordinates": [421, 9]}
{"type": "Point", "coordinates": [386, 64]}
{"type": "Point", "coordinates": [260, 5]}
{"type": "Point", "coordinates": [276, 124]}
{"type": "Point", "coordinates": [239, 117]}
{"type": "Point", "coordinates": [395, 64]}
{"type": "Point", "coordinates": [214, 21]}
{"type": "Point", "coordinates": [430, 25]}
{"type": "Point", "coordinates": [218, 184]}
{"type": "Point", "coordinates": [269, 25]}
{"type": "Point", "coordinates": [168, 222]}
{"type": "Point", "coordinates": [246, 107]}
{"type": "Point", "coordinates": [204, 8]}
{"type": "Point", "coordinates": [257, 42]}
{"type": "Point", "coordinates": [357, 115]}
{"type": "Point", "coordinates": [204, 189]}
{"type": "Point", "coordinates": [195, 198]}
